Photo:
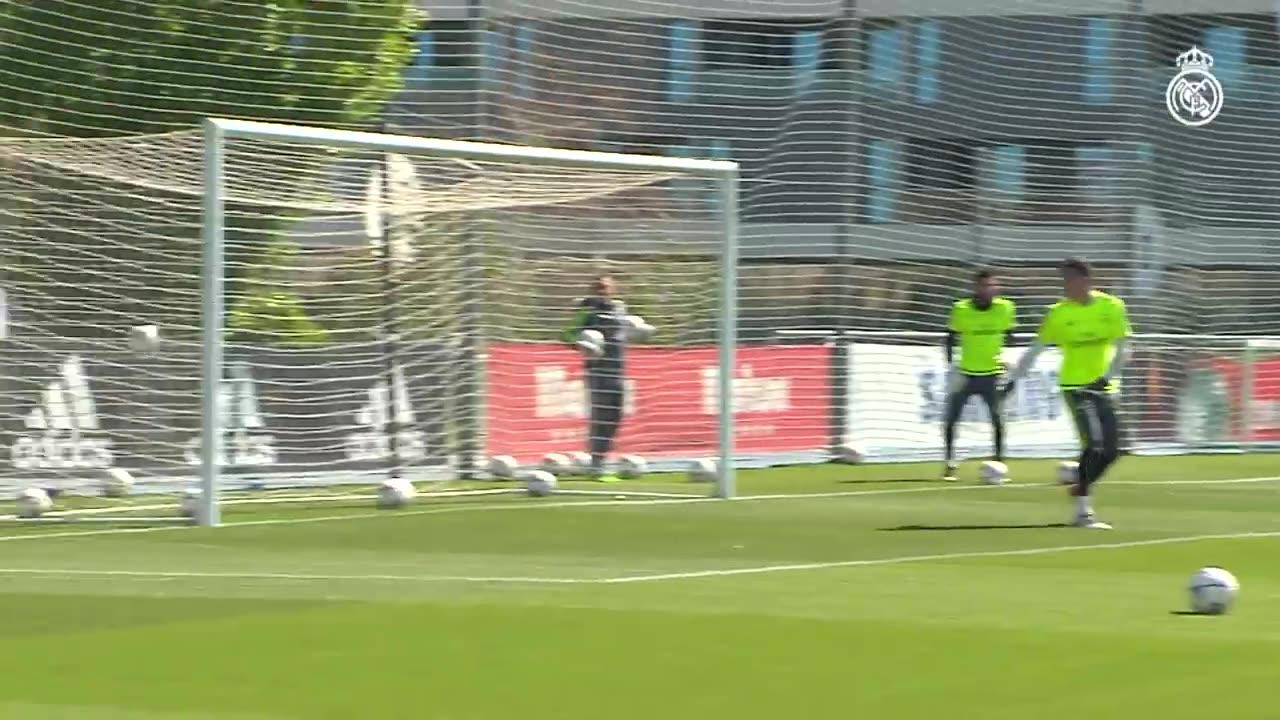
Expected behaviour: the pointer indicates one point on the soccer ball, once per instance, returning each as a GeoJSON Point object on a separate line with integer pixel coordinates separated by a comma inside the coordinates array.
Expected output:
{"type": "Point", "coordinates": [33, 502]}
{"type": "Point", "coordinates": [1068, 472]}
{"type": "Point", "coordinates": [540, 483]}
{"type": "Point", "coordinates": [632, 466]}
{"type": "Point", "coordinates": [703, 470]}
{"type": "Point", "coordinates": [118, 483]}
{"type": "Point", "coordinates": [591, 342]}
{"type": "Point", "coordinates": [556, 464]}
{"type": "Point", "coordinates": [144, 339]}
{"type": "Point", "coordinates": [850, 454]}
{"type": "Point", "coordinates": [1213, 590]}
{"type": "Point", "coordinates": [637, 329]}
{"type": "Point", "coordinates": [579, 463]}
{"type": "Point", "coordinates": [395, 493]}
{"type": "Point", "coordinates": [503, 467]}
{"type": "Point", "coordinates": [189, 504]}
{"type": "Point", "coordinates": [994, 473]}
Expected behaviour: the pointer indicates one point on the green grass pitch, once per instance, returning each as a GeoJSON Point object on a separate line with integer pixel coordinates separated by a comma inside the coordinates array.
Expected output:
{"type": "Point", "coordinates": [888, 595]}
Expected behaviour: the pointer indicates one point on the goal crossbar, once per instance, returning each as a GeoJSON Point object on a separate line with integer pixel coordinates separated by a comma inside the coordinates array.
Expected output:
{"type": "Point", "coordinates": [217, 131]}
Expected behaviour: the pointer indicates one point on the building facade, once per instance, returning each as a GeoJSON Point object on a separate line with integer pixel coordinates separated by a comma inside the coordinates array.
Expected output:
{"type": "Point", "coordinates": [889, 146]}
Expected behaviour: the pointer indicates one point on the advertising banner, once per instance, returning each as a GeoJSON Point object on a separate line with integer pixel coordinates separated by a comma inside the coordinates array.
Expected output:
{"type": "Point", "coordinates": [69, 409]}
{"type": "Point", "coordinates": [537, 400]}
{"type": "Point", "coordinates": [897, 398]}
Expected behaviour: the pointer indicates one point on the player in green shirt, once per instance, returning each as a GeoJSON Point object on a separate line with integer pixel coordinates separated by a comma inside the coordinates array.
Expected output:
{"type": "Point", "coordinates": [981, 323]}
{"type": "Point", "coordinates": [1091, 329]}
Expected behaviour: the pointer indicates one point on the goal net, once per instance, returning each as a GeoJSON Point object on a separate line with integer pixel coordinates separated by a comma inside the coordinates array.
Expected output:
{"type": "Point", "coordinates": [382, 308]}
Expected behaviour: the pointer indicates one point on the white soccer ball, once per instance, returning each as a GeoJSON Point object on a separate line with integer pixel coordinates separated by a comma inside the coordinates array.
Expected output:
{"type": "Point", "coordinates": [33, 502]}
{"type": "Point", "coordinates": [395, 493]}
{"type": "Point", "coordinates": [994, 473]}
{"type": "Point", "coordinates": [556, 464]}
{"type": "Point", "coordinates": [144, 339]}
{"type": "Point", "coordinates": [1068, 472]}
{"type": "Point", "coordinates": [117, 483]}
{"type": "Point", "coordinates": [637, 329]}
{"type": "Point", "coordinates": [591, 342]}
{"type": "Point", "coordinates": [579, 463]}
{"type": "Point", "coordinates": [540, 483]}
{"type": "Point", "coordinates": [703, 470]}
{"type": "Point", "coordinates": [1213, 590]}
{"type": "Point", "coordinates": [189, 504]}
{"type": "Point", "coordinates": [503, 467]}
{"type": "Point", "coordinates": [631, 467]}
{"type": "Point", "coordinates": [850, 453]}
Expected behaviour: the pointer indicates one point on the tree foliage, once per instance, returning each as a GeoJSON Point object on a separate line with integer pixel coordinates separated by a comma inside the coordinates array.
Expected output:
{"type": "Point", "coordinates": [138, 66]}
{"type": "Point", "coordinates": [88, 256]}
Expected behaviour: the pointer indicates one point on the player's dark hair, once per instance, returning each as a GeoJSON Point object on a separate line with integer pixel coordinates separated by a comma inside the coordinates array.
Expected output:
{"type": "Point", "coordinates": [983, 275]}
{"type": "Point", "coordinates": [1076, 266]}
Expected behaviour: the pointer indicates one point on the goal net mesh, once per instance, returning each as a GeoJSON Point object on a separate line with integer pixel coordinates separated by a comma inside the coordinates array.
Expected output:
{"type": "Point", "coordinates": [342, 366]}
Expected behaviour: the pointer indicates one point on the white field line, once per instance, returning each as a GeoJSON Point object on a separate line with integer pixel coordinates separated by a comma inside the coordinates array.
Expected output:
{"type": "Point", "coordinates": [629, 579]}
{"type": "Point", "coordinates": [503, 507]}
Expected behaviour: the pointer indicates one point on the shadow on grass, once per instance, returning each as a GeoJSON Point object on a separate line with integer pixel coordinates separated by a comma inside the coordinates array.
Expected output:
{"type": "Point", "coordinates": [882, 481]}
{"type": "Point", "coordinates": [1191, 613]}
{"type": "Point", "coordinates": [1038, 526]}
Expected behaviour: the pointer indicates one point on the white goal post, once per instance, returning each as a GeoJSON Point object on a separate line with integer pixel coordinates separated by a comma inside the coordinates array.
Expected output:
{"type": "Point", "coordinates": [218, 132]}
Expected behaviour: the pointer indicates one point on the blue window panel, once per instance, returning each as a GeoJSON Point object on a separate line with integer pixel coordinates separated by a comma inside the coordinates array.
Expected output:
{"type": "Point", "coordinates": [806, 54]}
{"type": "Point", "coordinates": [928, 61]}
{"type": "Point", "coordinates": [882, 166]}
{"type": "Point", "coordinates": [1228, 46]}
{"type": "Point", "coordinates": [1098, 169]}
{"type": "Point", "coordinates": [1099, 42]}
{"type": "Point", "coordinates": [886, 60]}
{"type": "Point", "coordinates": [719, 149]}
{"type": "Point", "coordinates": [493, 53]}
{"type": "Point", "coordinates": [1146, 153]}
{"type": "Point", "coordinates": [1009, 169]}
{"type": "Point", "coordinates": [524, 55]}
{"type": "Point", "coordinates": [683, 59]}
{"type": "Point", "coordinates": [425, 55]}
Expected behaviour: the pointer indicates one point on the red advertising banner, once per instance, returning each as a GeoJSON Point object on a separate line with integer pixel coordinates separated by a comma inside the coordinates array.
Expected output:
{"type": "Point", "coordinates": [537, 400]}
{"type": "Point", "coordinates": [1265, 404]}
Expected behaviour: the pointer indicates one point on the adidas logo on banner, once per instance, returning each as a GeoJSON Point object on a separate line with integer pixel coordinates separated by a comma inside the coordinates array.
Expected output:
{"type": "Point", "coordinates": [245, 439]}
{"type": "Point", "coordinates": [373, 441]}
{"type": "Point", "coordinates": [57, 427]}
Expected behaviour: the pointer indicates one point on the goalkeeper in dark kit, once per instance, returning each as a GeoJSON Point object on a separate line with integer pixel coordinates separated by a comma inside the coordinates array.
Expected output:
{"type": "Point", "coordinates": [600, 330]}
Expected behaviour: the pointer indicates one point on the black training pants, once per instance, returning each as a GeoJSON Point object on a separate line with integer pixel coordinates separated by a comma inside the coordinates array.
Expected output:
{"type": "Point", "coordinates": [1098, 425]}
{"type": "Point", "coordinates": [987, 388]}
{"type": "Point", "coordinates": [605, 395]}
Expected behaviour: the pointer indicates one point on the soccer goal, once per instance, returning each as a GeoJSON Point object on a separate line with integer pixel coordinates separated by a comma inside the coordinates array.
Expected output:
{"type": "Point", "coordinates": [255, 313]}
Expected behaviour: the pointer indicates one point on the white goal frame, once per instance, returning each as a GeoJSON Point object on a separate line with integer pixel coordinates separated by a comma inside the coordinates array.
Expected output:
{"type": "Point", "coordinates": [217, 131]}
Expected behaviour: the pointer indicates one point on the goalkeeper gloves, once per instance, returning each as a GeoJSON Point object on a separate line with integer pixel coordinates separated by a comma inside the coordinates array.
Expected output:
{"type": "Point", "coordinates": [1098, 386]}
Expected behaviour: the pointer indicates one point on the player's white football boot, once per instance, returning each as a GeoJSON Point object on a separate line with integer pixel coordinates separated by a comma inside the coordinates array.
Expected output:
{"type": "Point", "coordinates": [1089, 522]}
{"type": "Point", "coordinates": [949, 475]}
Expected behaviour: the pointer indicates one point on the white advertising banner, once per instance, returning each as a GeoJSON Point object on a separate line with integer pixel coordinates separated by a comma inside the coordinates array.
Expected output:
{"type": "Point", "coordinates": [897, 397]}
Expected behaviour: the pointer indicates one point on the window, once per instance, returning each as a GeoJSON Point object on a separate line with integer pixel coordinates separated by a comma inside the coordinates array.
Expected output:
{"type": "Point", "coordinates": [1097, 172]}
{"type": "Point", "coordinates": [928, 61]}
{"type": "Point", "coordinates": [742, 43]}
{"type": "Point", "coordinates": [525, 59]}
{"type": "Point", "coordinates": [883, 161]}
{"type": "Point", "coordinates": [425, 57]}
{"type": "Point", "coordinates": [1006, 170]}
{"type": "Point", "coordinates": [1228, 46]}
{"type": "Point", "coordinates": [494, 52]}
{"type": "Point", "coordinates": [683, 59]}
{"type": "Point", "coordinates": [942, 164]}
{"type": "Point", "coordinates": [1099, 42]}
{"type": "Point", "coordinates": [1052, 168]}
{"type": "Point", "coordinates": [806, 54]}
{"type": "Point", "coordinates": [885, 59]}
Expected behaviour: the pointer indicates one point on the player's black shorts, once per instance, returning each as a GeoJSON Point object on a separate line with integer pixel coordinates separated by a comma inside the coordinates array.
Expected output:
{"type": "Point", "coordinates": [1097, 419]}
{"type": "Point", "coordinates": [986, 387]}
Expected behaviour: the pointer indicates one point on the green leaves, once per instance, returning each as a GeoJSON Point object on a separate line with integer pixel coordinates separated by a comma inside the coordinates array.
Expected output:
{"type": "Point", "coordinates": [125, 67]}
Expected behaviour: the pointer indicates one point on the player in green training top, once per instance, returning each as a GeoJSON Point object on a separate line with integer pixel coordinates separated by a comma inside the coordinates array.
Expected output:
{"type": "Point", "coordinates": [981, 323]}
{"type": "Point", "coordinates": [1091, 329]}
